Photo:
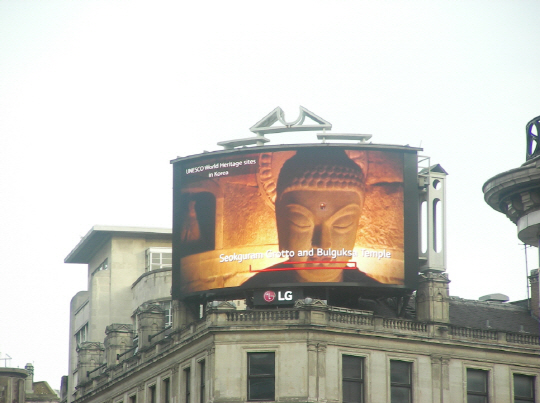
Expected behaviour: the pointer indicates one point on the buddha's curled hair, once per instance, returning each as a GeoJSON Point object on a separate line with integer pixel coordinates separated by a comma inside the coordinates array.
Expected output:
{"type": "Point", "coordinates": [320, 169]}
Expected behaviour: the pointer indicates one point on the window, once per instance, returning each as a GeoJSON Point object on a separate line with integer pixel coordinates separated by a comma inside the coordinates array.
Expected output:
{"type": "Point", "coordinates": [81, 335]}
{"type": "Point", "coordinates": [152, 394]}
{"type": "Point", "coordinates": [352, 370]}
{"type": "Point", "coordinates": [166, 306]}
{"type": "Point", "coordinates": [261, 376]}
{"type": "Point", "coordinates": [187, 384]}
{"type": "Point", "coordinates": [477, 386]}
{"type": "Point", "coordinates": [166, 390]}
{"type": "Point", "coordinates": [202, 368]}
{"type": "Point", "coordinates": [102, 266]}
{"type": "Point", "coordinates": [158, 258]}
{"type": "Point", "coordinates": [133, 399]}
{"type": "Point", "coordinates": [400, 381]}
{"type": "Point", "coordinates": [523, 388]}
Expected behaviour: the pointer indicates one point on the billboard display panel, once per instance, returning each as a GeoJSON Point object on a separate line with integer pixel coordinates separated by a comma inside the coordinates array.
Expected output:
{"type": "Point", "coordinates": [305, 215]}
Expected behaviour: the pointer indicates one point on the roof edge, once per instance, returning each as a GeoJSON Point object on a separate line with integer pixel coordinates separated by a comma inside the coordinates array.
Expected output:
{"type": "Point", "coordinates": [99, 232]}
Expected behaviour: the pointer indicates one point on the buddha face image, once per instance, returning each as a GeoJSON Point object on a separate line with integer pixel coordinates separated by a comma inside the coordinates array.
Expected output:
{"type": "Point", "coordinates": [318, 206]}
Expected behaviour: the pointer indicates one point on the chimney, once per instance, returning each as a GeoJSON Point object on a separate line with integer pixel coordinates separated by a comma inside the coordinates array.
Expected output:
{"type": "Point", "coordinates": [497, 298]}
{"type": "Point", "coordinates": [432, 298]}
{"type": "Point", "coordinates": [535, 294]}
{"type": "Point", "coordinates": [119, 339]}
{"type": "Point", "coordinates": [151, 320]}
{"type": "Point", "coordinates": [90, 357]}
{"type": "Point", "coordinates": [29, 381]}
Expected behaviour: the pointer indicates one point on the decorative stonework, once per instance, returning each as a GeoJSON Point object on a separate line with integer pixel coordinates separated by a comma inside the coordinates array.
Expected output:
{"type": "Point", "coordinates": [119, 327]}
{"type": "Point", "coordinates": [516, 193]}
{"type": "Point", "coordinates": [220, 306]}
{"type": "Point", "coordinates": [309, 302]}
{"type": "Point", "coordinates": [149, 307]}
{"type": "Point", "coordinates": [518, 204]}
{"type": "Point", "coordinates": [91, 345]}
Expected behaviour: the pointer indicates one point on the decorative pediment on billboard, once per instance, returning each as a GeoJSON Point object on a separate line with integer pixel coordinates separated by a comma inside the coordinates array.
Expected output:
{"type": "Point", "coordinates": [266, 125]}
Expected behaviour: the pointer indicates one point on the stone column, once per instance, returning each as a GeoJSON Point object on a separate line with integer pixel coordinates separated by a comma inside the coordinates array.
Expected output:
{"type": "Point", "coordinates": [210, 371]}
{"type": "Point", "coordinates": [445, 365]}
{"type": "Point", "coordinates": [118, 339]}
{"type": "Point", "coordinates": [316, 371]}
{"type": "Point", "coordinates": [90, 356]}
{"type": "Point", "coordinates": [321, 369]}
{"type": "Point", "coordinates": [183, 314]}
{"type": "Point", "coordinates": [440, 379]}
{"type": "Point", "coordinates": [432, 298]}
{"type": "Point", "coordinates": [29, 382]}
{"type": "Point", "coordinates": [312, 369]}
{"type": "Point", "coordinates": [151, 320]}
{"type": "Point", "coordinates": [535, 293]}
{"type": "Point", "coordinates": [436, 377]}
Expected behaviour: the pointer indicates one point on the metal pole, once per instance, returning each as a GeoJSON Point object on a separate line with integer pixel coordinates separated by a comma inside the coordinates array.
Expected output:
{"type": "Point", "coordinates": [527, 276]}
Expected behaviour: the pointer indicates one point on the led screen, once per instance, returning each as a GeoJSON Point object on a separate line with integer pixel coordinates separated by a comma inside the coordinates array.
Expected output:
{"type": "Point", "coordinates": [311, 215]}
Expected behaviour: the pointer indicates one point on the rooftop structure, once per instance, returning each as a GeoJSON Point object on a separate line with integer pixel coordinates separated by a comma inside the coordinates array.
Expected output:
{"type": "Point", "coordinates": [305, 329]}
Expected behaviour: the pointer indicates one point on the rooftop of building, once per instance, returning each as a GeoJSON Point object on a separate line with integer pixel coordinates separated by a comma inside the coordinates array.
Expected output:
{"type": "Point", "coordinates": [498, 316]}
{"type": "Point", "coordinates": [505, 317]}
{"type": "Point", "coordinates": [100, 234]}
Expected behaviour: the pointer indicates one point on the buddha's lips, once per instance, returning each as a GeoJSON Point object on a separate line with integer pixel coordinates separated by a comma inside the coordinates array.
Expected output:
{"type": "Point", "coordinates": [322, 262]}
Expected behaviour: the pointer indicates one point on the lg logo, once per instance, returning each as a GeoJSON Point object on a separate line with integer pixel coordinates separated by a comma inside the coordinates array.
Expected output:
{"type": "Point", "coordinates": [270, 296]}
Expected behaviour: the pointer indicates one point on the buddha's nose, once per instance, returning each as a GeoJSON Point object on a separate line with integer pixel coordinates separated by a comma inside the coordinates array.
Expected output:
{"type": "Point", "coordinates": [321, 237]}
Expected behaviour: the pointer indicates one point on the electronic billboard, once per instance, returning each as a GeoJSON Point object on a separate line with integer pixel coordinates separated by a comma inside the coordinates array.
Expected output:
{"type": "Point", "coordinates": [304, 215]}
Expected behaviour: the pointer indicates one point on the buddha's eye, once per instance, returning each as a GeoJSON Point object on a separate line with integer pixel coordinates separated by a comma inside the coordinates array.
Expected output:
{"type": "Point", "coordinates": [346, 219]}
{"type": "Point", "coordinates": [299, 217]}
{"type": "Point", "coordinates": [300, 221]}
{"type": "Point", "coordinates": [344, 224]}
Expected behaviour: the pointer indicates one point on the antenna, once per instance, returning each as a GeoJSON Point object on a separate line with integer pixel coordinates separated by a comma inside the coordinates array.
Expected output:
{"type": "Point", "coordinates": [6, 359]}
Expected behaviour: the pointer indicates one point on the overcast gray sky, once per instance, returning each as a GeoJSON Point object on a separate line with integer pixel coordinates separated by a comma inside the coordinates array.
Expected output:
{"type": "Point", "coordinates": [96, 98]}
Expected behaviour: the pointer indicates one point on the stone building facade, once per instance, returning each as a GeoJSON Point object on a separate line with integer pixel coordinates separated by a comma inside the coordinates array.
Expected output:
{"type": "Point", "coordinates": [127, 266]}
{"type": "Point", "coordinates": [432, 349]}
{"type": "Point", "coordinates": [18, 386]}
{"type": "Point", "coordinates": [313, 352]}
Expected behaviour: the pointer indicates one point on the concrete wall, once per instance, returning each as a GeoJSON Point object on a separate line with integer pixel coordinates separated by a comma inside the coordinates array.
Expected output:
{"type": "Point", "coordinates": [79, 314]}
{"type": "Point", "coordinates": [111, 290]}
{"type": "Point", "coordinates": [151, 286]}
{"type": "Point", "coordinates": [110, 295]}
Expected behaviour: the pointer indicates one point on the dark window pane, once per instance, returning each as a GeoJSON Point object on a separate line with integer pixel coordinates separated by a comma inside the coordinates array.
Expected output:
{"type": "Point", "coordinates": [476, 399]}
{"type": "Point", "coordinates": [261, 389]}
{"type": "Point", "coordinates": [400, 395]}
{"type": "Point", "coordinates": [352, 367]}
{"type": "Point", "coordinates": [523, 386]}
{"type": "Point", "coordinates": [261, 364]}
{"type": "Point", "coordinates": [476, 381]}
{"type": "Point", "coordinates": [261, 381]}
{"type": "Point", "coordinates": [400, 372]}
{"type": "Point", "coordinates": [352, 392]}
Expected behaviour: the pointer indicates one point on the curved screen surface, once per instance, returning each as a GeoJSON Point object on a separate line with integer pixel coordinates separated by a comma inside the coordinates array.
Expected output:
{"type": "Point", "coordinates": [290, 216]}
